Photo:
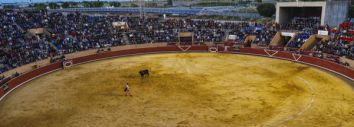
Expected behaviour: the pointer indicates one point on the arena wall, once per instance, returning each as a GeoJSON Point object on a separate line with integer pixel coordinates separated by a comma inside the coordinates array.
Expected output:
{"type": "Point", "coordinates": [328, 65]}
{"type": "Point", "coordinates": [18, 81]}
{"type": "Point", "coordinates": [117, 48]}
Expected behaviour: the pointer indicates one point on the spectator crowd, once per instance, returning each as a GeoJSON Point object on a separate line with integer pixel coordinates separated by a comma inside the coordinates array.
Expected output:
{"type": "Point", "coordinates": [340, 43]}
{"type": "Point", "coordinates": [73, 32]}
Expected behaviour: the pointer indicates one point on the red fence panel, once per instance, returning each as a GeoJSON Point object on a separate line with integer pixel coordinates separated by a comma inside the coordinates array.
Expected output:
{"type": "Point", "coordinates": [329, 65]}
{"type": "Point", "coordinates": [253, 51]}
{"type": "Point", "coordinates": [2, 93]}
{"type": "Point", "coordinates": [32, 74]}
{"type": "Point", "coordinates": [305, 59]}
{"type": "Point", "coordinates": [284, 55]}
{"type": "Point", "coordinates": [135, 51]}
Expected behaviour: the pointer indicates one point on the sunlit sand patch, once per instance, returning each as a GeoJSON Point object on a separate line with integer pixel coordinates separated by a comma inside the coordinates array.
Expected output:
{"type": "Point", "coordinates": [186, 89]}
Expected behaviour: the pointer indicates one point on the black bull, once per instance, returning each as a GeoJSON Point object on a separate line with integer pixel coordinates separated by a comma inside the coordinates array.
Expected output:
{"type": "Point", "coordinates": [144, 72]}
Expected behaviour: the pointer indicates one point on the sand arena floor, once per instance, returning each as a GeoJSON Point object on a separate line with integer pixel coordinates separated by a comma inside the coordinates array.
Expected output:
{"type": "Point", "coordinates": [189, 89]}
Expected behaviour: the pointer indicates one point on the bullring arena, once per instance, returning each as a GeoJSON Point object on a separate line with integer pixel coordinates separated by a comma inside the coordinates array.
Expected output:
{"type": "Point", "coordinates": [251, 87]}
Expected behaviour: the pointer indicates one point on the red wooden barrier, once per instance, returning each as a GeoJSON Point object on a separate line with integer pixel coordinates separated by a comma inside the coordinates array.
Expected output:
{"type": "Point", "coordinates": [32, 74]}
{"type": "Point", "coordinates": [329, 65]}
{"type": "Point", "coordinates": [135, 51]}
{"type": "Point", "coordinates": [2, 93]}
{"type": "Point", "coordinates": [342, 70]}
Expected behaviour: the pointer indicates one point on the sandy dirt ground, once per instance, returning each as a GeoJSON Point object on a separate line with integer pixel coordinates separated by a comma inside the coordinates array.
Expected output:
{"type": "Point", "coordinates": [187, 89]}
